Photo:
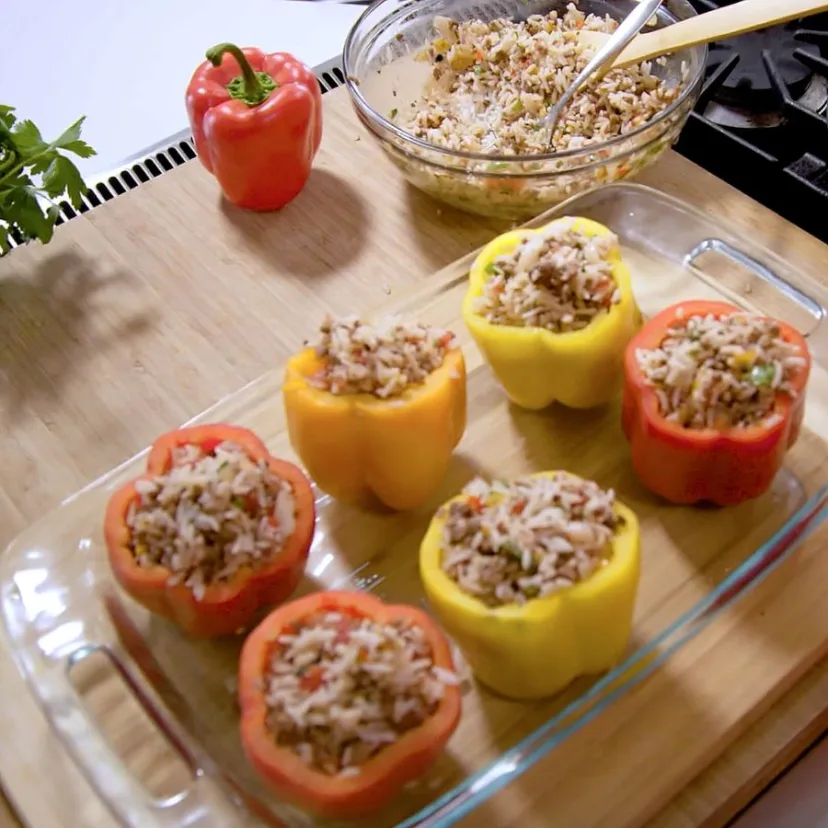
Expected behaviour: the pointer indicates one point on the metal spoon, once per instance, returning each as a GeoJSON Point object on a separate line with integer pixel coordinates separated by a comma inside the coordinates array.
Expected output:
{"type": "Point", "coordinates": [630, 26]}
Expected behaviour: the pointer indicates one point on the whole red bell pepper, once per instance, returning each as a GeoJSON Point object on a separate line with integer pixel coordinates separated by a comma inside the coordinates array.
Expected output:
{"type": "Point", "coordinates": [383, 776]}
{"type": "Point", "coordinates": [228, 606]}
{"type": "Point", "coordinates": [719, 466]}
{"type": "Point", "coordinates": [257, 124]}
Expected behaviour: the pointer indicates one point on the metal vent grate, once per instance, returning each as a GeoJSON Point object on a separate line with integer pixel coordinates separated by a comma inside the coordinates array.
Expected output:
{"type": "Point", "coordinates": [166, 155]}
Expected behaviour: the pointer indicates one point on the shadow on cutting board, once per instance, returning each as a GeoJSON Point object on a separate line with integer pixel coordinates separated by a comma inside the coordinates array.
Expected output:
{"type": "Point", "coordinates": [317, 234]}
{"type": "Point", "coordinates": [428, 219]}
{"type": "Point", "coordinates": [49, 329]}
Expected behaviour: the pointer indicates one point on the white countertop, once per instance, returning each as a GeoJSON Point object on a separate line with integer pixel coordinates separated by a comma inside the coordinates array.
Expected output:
{"type": "Point", "coordinates": [125, 65]}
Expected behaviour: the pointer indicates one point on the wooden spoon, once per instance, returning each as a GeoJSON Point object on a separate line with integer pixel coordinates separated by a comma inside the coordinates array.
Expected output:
{"type": "Point", "coordinates": [721, 23]}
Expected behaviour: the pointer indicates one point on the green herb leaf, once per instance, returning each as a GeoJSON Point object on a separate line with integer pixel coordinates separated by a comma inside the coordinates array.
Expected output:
{"type": "Point", "coordinates": [61, 177]}
{"type": "Point", "coordinates": [41, 163]}
{"type": "Point", "coordinates": [24, 210]}
{"type": "Point", "coordinates": [27, 138]}
{"type": "Point", "coordinates": [7, 118]}
{"type": "Point", "coordinates": [34, 175]}
{"type": "Point", "coordinates": [70, 141]}
{"type": "Point", "coordinates": [762, 375]}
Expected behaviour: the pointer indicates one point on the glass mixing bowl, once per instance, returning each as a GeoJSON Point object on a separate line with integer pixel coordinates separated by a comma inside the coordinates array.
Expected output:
{"type": "Point", "coordinates": [382, 78]}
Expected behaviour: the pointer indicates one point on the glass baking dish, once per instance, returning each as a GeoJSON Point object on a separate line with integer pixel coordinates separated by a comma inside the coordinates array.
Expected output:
{"type": "Point", "coordinates": [61, 607]}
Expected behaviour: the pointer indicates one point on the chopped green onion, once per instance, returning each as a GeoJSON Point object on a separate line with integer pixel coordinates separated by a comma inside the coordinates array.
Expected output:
{"type": "Point", "coordinates": [512, 549]}
{"type": "Point", "coordinates": [762, 375]}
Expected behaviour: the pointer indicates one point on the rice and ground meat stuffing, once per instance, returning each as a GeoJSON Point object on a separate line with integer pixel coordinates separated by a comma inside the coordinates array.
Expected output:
{"type": "Point", "coordinates": [721, 372]}
{"type": "Point", "coordinates": [210, 515]}
{"type": "Point", "coordinates": [382, 359]}
{"type": "Point", "coordinates": [493, 83]}
{"type": "Point", "coordinates": [560, 280]}
{"type": "Point", "coordinates": [507, 543]}
{"type": "Point", "coordinates": [341, 688]}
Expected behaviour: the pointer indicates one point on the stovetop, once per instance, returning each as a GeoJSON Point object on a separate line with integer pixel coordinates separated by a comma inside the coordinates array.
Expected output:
{"type": "Point", "coordinates": [761, 122]}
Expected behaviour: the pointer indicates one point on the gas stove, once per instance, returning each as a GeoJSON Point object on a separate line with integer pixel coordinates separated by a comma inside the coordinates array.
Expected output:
{"type": "Point", "coordinates": [761, 121]}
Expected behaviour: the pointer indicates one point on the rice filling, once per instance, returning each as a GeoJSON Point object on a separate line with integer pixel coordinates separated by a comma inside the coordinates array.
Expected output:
{"type": "Point", "coordinates": [511, 542]}
{"type": "Point", "coordinates": [384, 359]}
{"type": "Point", "coordinates": [560, 280]}
{"type": "Point", "coordinates": [340, 688]}
{"type": "Point", "coordinates": [493, 82]}
{"type": "Point", "coordinates": [210, 515]}
{"type": "Point", "coordinates": [721, 372]}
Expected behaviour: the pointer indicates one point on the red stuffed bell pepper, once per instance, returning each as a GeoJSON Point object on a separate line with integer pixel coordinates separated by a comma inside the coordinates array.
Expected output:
{"type": "Point", "coordinates": [210, 581]}
{"type": "Point", "coordinates": [348, 650]}
{"type": "Point", "coordinates": [257, 124]}
{"type": "Point", "coordinates": [713, 399]}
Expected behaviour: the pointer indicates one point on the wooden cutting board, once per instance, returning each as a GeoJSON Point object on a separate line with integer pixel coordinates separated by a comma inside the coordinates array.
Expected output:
{"type": "Point", "coordinates": [152, 307]}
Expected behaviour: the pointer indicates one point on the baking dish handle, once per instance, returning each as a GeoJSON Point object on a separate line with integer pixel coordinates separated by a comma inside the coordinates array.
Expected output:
{"type": "Point", "coordinates": [760, 270]}
{"type": "Point", "coordinates": [201, 804]}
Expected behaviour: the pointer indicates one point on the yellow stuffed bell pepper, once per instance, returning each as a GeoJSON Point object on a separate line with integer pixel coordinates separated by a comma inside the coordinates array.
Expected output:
{"type": "Point", "coordinates": [358, 445]}
{"type": "Point", "coordinates": [536, 366]}
{"type": "Point", "coordinates": [535, 649]}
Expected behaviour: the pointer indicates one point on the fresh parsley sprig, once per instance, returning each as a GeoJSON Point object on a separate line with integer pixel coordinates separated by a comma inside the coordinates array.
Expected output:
{"type": "Point", "coordinates": [34, 176]}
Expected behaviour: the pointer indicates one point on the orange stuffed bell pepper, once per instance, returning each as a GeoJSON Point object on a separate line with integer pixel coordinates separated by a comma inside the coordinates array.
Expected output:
{"type": "Point", "coordinates": [362, 425]}
{"type": "Point", "coordinates": [257, 124]}
{"type": "Point", "coordinates": [535, 579]}
{"type": "Point", "coordinates": [332, 656]}
{"type": "Point", "coordinates": [713, 399]}
{"type": "Point", "coordinates": [216, 530]}
{"type": "Point", "coordinates": [566, 346]}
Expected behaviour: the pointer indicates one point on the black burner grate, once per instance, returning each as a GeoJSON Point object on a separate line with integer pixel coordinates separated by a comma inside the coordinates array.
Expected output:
{"type": "Point", "coordinates": [783, 165]}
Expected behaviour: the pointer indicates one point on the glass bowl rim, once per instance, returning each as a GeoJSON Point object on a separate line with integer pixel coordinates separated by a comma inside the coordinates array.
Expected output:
{"type": "Point", "coordinates": [375, 117]}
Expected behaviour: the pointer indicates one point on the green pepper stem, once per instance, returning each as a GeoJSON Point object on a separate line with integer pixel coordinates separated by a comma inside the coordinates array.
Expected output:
{"type": "Point", "coordinates": [254, 87]}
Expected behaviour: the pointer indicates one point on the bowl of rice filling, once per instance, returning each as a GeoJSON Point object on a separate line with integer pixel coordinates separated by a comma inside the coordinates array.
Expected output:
{"type": "Point", "coordinates": [534, 578]}
{"type": "Point", "coordinates": [456, 92]}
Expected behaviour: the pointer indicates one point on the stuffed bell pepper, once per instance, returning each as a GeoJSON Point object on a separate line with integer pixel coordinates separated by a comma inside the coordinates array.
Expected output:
{"type": "Point", "coordinates": [713, 399]}
{"type": "Point", "coordinates": [257, 124]}
{"type": "Point", "coordinates": [551, 310]}
{"type": "Point", "coordinates": [535, 579]}
{"type": "Point", "coordinates": [345, 700]}
{"type": "Point", "coordinates": [377, 410]}
{"type": "Point", "coordinates": [215, 531]}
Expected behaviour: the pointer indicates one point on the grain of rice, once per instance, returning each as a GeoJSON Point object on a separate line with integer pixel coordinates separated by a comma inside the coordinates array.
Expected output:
{"type": "Point", "coordinates": [511, 542]}
{"type": "Point", "coordinates": [210, 515]}
{"type": "Point", "coordinates": [384, 359]}
{"type": "Point", "coordinates": [493, 82]}
{"type": "Point", "coordinates": [721, 372]}
{"type": "Point", "coordinates": [341, 688]}
{"type": "Point", "coordinates": [560, 280]}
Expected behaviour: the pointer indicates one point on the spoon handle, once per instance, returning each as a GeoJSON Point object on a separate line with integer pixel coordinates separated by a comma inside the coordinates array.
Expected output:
{"type": "Point", "coordinates": [630, 26]}
{"type": "Point", "coordinates": [726, 21]}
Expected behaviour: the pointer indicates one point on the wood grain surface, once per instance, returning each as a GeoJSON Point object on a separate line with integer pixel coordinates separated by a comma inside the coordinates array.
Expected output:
{"type": "Point", "coordinates": [151, 308]}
